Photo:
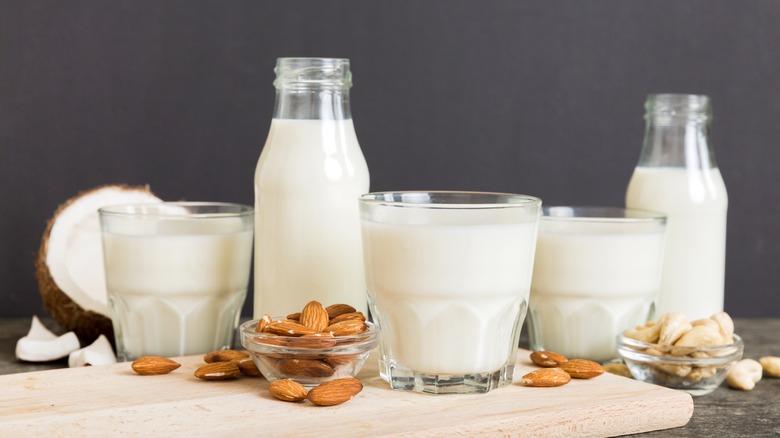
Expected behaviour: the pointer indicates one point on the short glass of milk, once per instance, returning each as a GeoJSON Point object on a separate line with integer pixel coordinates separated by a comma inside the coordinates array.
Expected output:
{"type": "Point", "coordinates": [176, 275]}
{"type": "Point", "coordinates": [448, 277]}
{"type": "Point", "coordinates": [597, 273]}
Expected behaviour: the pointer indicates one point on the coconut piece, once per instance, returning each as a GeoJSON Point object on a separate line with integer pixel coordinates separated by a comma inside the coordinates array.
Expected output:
{"type": "Point", "coordinates": [69, 266]}
{"type": "Point", "coordinates": [97, 353]}
{"type": "Point", "coordinates": [41, 345]}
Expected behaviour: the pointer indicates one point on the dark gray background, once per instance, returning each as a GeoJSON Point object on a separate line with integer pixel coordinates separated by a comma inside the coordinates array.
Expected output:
{"type": "Point", "coordinates": [543, 98]}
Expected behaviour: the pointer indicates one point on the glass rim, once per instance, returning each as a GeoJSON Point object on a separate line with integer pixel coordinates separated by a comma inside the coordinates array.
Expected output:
{"type": "Point", "coordinates": [158, 210]}
{"type": "Point", "coordinates": [601, 214]}
{"type": "Point", "coordinates": [396, 199]}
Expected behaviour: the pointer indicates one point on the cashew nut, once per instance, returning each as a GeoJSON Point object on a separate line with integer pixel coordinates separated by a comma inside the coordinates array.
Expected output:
{"type": "Point", "coordinates": [673, 326]}
{"type": "Point", "coordinates": [726, 326]}
{"type": "Point", "coordinates": [618, 368]}
{"type": "Point", "coordinates": [771, 365]}
{"type": "Point", "coordinates": [646, 334]}
{"type": "Point", "coordinates": [699, 336]}
{"type": "Point", "coordinates": [744, 375]}
{"type": "Point", "coordinates": [708, 322]}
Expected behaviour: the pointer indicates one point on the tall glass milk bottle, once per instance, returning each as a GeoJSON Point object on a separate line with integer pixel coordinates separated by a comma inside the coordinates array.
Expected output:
{"type": "Point", "coordinates": [677, 175]}
{"type": "Point", "coordinates": [307, 183]}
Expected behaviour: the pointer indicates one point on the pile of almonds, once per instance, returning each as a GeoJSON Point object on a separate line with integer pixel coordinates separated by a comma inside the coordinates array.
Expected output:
{"type": "Point", "coordinates": [314, 327]}
{"type": "Point", "coordinates": [557, 370]}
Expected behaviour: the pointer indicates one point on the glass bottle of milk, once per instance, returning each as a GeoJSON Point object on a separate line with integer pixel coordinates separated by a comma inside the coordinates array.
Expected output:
{"type": "Point", "coordinates": [307, 183]}
{"type": "Point", "coordinates": [677, 175]}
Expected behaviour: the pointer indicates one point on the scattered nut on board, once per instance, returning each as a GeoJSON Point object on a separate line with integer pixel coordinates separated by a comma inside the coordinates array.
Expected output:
{"type": "Point", "coordinates": [744, 375]}
{"type": "Point", "coordinates": [557, 370]}
{"type": "Point", "coordinates": [154, 365]}
{"type": "Point", "coordinates": [619, 369]}
{"type": "Point", "coordinates": [335, 392]}
{"type": "Point", "coordinates": [287, 390]}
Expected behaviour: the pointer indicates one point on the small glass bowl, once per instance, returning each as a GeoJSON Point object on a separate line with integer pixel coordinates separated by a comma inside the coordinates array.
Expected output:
{"type": "Point", "coordinates": [696, 370]}
{"type": "Point", "coordinates": [308, 361]}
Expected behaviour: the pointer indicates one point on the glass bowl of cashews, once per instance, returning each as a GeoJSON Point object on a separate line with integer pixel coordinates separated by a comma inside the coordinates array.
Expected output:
{"type": "Point", "coordinates": [693, 356]}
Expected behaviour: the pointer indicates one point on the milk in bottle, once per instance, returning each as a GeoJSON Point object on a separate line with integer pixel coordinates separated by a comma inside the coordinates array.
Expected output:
{"type": "Point", "coordinates": [307, 183]}
{"type": "Point", "coordinates": [677, 175]}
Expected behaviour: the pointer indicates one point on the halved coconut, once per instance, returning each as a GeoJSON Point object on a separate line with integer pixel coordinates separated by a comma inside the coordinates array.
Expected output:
{"type": "Point", "coordinates": [69, 266]}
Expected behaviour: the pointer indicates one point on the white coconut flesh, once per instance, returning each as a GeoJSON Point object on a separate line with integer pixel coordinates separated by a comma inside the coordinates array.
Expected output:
{"type": "Point", "coordinates": [97, 353]}
{"type": "Point", "coordinates": [41, 345]}
{"type": "Point", "coordinates": [74, 255]}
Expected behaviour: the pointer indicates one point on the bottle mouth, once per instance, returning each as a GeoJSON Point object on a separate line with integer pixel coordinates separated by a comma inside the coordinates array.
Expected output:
{"type": "Point", "coordinates": [312, 73]}
{"type": "Point", "coordinates": [678, 107]}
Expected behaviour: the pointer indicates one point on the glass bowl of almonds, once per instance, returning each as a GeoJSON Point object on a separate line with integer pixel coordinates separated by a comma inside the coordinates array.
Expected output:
{"type": "Point", "coordinates": [691, 356]}
{"type": "Point", "coordinates": [333, 343]}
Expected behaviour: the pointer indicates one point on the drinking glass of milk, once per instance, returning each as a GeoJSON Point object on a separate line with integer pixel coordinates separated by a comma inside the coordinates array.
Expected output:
{"type": "Point", "coordinates": [176, 275]}
{"type": "Point", "coordinates": [448, 277]}
{"type": "Point", "coordinates": [597, 272]}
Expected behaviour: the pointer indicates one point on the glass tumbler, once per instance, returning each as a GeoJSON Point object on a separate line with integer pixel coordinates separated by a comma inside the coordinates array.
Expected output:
{"type": "Point", "coordinates": [448, 277]}
{"type": "Point", "coordinates": [176, 275]}
{"type": "Point", "coordinates": [597, 273]}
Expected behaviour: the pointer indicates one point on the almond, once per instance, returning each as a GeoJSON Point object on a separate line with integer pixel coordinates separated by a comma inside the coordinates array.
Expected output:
{"type": "Point", "coordinates": [287, 328]}
{"type": "Point", "coordinates": [347, 328]}
{"type": "Point", "coordinates": [248, 368]}
{"type": "Point", "coordinates": [582, 368]}
{"type": "Point", "coordinates": [154, 365]}
{"type": "Point", "coordinates": [347, 316]}
{"type": "Point", "coordinates": [546, 377]}
{"type": "Point", "coordinates": [294, 316]}
{"type": "Point", "coordinates": [335, 310]}
{"type": "Point", "coordinates": [547, 359]}
{"type": "Point", "coordinates": [335, 392]}
{"type": "Point", "coordinates": [263, 323]}
{"type": "Point", "coordinates": [287, 390]}
{"type": "Point", "coordinates": [217, 371]}
{"type": "Point", "coordinates": [314, 316]}
{"type": "Point", "coordinates": [314, 340]}
{"type": "Point", "coordinates": [305, 368]}
{"type": "Point", "coordinates": [225, 356]}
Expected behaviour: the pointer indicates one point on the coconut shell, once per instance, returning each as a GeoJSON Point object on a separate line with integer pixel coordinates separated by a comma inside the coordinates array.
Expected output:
{"type": "Point", "coordinates": [87, 325]}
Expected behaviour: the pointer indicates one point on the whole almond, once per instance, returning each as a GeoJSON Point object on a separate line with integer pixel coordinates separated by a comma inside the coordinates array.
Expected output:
{"type": "Point", "coordinates": [154, 365]}
{"type": "Point", "coordinates": [287, 328]}
{"type": "Point", "coordinates": [335, 392]}
{"type": "Point", "coordinates": [225, 356]}
{"type": "Point", "coordinates": [314, 316]}
{"type": "Point", "coordinates": [582, 368]}
{"type": "Point", "coordinates": [263, 323]}
{"type": "Point", "coordinates": [347, 328]}
{"type": "Point", "coordinates": [304, 368]}
{"type": "Point", "coordinates": [248, 368]}
{"type": "Point", "coordinates": [347, 316]}
{"type": "Point", "coordinates": [287, 390]}
{"type": "Point", "coordinates": [335, 310]}
{"type": "Point", "coordinates": [315, 340]}
{"type": "Point", "coordinates": [218, 371]}
{"type": "Point", "coordinates": [547, 359]}
{"type": "Point", "coordinates": [294, 316]}
{"type": "Point", "coordinates": [546, 377]}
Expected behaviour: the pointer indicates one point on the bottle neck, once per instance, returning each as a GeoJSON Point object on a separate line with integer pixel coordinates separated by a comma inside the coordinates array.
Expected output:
{"type": "Point", "coordinates": [312, 103]}
{"type": "Point", "coordinates": [677, 132]}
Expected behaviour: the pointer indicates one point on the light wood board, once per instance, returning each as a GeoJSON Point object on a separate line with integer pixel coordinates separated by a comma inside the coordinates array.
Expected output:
{"type": "Point", "coordinates": [113, 400]}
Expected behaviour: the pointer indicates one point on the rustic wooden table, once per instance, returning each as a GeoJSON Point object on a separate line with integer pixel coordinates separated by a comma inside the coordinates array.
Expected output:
{"type": "Point", "coordinates": [725, 412]}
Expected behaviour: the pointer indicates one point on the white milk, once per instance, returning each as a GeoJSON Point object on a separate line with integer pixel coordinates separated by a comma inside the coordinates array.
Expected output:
{"type": "Point", "coordinates": [695, 202]}
{"type": "Point", "coordinates": [589, 285]}
{"type": "Point", "coordinates": [177, 294]}
{"type": "Point", "coordinates": [307, 225]}
{"type": "Point", "coordinates": [444, 311]}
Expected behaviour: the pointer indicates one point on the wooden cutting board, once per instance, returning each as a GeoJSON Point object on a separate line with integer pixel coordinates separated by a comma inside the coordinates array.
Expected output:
{"type": "Point", "coordinates": [112, 400]}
